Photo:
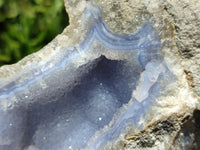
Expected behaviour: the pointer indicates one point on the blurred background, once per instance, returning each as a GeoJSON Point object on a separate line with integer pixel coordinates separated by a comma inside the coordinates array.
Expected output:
{"type": "Point", "coordinates": [28, 25]}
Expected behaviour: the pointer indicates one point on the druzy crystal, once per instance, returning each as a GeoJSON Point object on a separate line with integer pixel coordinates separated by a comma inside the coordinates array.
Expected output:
{"type": "Point", "coordinates": [86, 95]}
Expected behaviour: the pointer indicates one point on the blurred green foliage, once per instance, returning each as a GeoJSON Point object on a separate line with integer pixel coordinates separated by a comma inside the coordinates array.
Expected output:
{"type": "Point", "coordinates": [28, 25]}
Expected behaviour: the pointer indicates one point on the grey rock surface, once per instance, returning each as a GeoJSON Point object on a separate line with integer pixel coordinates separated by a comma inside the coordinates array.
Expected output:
{"type": "Point", "coordinates": [185, 17]}
{"type": "Point", "coordinates": [174, 132]}
{"type": "Point", "coordinates": [119, 77]}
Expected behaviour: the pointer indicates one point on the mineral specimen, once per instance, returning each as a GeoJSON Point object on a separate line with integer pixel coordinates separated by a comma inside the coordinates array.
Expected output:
{"type": "Point", "coordinates": [105, 80]}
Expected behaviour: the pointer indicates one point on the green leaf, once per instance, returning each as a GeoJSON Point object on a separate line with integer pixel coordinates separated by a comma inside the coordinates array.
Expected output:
{"type": "Point", "coordinates": [4, 58]}
{"type": "Point", "coordinates": [26, 26]}
{"type": "Point", "coordinates": [2, 3]}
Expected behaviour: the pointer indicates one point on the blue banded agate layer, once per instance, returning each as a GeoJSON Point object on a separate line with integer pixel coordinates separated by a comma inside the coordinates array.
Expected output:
{"type": "Point", "coordinates": [88, 96]}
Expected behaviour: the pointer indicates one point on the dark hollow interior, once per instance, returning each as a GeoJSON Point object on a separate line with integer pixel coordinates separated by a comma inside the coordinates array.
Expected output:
{"type": "Point", "coordinates": [113, 79]}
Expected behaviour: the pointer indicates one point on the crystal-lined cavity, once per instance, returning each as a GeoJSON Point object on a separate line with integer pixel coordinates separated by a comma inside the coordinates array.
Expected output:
{"type": "Point", "coordinates": [88, 97]}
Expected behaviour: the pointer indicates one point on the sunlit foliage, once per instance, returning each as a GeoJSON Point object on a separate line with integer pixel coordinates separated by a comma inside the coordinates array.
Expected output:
{"type": "Point", "coordinates": [28, 25]}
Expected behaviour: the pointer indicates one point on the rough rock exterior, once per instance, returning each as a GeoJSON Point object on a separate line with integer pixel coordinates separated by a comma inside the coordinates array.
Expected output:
{"type": "Point", "coordinates": [55, 90]}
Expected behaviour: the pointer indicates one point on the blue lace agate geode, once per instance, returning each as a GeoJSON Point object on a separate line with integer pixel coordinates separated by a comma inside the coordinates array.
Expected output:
{"type": "Point", "coordinates": [88, 97]}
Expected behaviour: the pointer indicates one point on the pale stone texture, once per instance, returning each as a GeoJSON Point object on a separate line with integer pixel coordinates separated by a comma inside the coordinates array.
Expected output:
{"type": "Point", "coordinates": [171, 123]}
{"type": "Point", "coordinates": [185, 17]}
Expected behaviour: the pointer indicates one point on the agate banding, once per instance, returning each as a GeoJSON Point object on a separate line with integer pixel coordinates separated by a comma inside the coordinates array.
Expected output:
{"type": "Point", "coordinates": [87, 96]}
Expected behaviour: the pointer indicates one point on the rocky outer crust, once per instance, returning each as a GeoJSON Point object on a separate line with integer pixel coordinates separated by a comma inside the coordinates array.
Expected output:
{"type": "Point", "coordinates": [178, 23]}
{"type": "Point", "coordinates": [175, 132]}
{"type": "Point", "coordinates": [185, 17]}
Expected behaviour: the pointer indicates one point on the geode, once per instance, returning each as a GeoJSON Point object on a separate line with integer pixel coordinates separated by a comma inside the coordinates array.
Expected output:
{"type": "Point", "coordinates": [107, 75]}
